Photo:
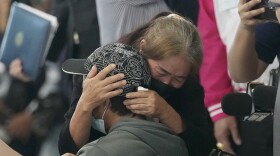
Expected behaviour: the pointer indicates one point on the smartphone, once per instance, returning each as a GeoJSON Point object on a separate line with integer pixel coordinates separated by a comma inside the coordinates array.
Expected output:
{"type": "Point", "coordinates": [270, 7]}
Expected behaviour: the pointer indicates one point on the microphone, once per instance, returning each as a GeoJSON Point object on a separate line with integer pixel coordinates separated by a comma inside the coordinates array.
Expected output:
{"type": "Point", "coordinates": [255, 120]}
{"type": "Point", "coordinates": [264, 101]}
{"type": "Point", "coordinates": [264, 97]}
{"type": "Point", "coordinates": [237, 104]}
{"type": "Point", "coordinates": [255, 108]}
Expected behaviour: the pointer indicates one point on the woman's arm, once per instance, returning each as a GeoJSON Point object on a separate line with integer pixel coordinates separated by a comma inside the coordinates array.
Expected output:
{"type": "Point", "coordinates": [198, 135]}
{"type": "Point", "coordinates": [66, 142]}
{"type": "Point", "coordinates": [150, 103]}
{"type": "Point", "coordinates": [172, 119]}
{"type": "Point", "coordinates": [184, 114]}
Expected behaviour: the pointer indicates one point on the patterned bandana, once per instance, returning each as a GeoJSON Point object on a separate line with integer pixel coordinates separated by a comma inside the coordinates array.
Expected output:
{"type": "Point", "coordinates": [128, 61]}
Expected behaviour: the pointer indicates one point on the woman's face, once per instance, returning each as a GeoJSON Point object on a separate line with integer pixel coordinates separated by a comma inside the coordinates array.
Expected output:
{"type": "Point", "coordinates": [172, 70]}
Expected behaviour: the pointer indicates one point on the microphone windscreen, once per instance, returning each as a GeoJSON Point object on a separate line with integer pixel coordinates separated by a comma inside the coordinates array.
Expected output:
{"type": "Point", "coordinates": [264, 97]}
{"type": "Point", "coordinates": [237, 104]}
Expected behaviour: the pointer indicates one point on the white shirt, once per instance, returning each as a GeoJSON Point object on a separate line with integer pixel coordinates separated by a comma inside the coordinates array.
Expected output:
{"type": "Point", "coordinates": [119, 17]}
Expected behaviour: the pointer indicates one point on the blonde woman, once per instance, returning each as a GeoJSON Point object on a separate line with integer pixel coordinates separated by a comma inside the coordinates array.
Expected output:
{"type": "Point", "coordinates": [172, 47]}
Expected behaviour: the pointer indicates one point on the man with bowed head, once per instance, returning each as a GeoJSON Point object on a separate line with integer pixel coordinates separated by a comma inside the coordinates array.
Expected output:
{"type": "Point", "coordinates": [172, 47]}
{"type": "Point", "coordinates": [128, 133]}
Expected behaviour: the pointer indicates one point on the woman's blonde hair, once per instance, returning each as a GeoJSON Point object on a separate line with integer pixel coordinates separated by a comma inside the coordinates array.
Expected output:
{"type": "Point", "coordinates": [167, 35]}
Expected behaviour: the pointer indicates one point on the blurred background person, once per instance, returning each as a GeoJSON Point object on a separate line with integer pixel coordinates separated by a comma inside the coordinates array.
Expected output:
{"type": "Point", "coordinates": [76, 37]}
{"type": "Point", "coordinates": [254, 48]}
{"type": "Point", "coordinates": [42, 101]}
{"type": "Point", "coordinates": [16, 112]}
{"type": "Point", "coordinates": [117, 18]}
{"type": "Point", "coordinates": [255, 45]}
{"type": "Point", "coordinates": [214, 77]}
{"type": "Point", "coordinates": [223, 19]}
{"type": "Point", "coordinates": [188, 9]}
{"type": "Point", "coordinates": [228, 20]}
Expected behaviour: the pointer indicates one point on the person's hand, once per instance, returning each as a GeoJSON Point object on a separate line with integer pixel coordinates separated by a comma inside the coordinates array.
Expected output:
{"type": "Point", "coordinates": [277, 11]}
{"type": "Point", "coordinates": [19, 126]}
{"type": "Point", "coordinates": [247, 15]}
{"type": "Point", "coordinates": [68, 154]}
{"type": "Point", "coordinates": [278, 14]}
{"type": "Point", "coordinates": [97, 88]}
{"type": "Point", "coordinates": [16, 70]}
{"type": "Point", "coordinates": [4, 11]}
{"type": "Point", "coordinates": [148, 103]}
{"type": "Point", "coordinates": [224, 129]}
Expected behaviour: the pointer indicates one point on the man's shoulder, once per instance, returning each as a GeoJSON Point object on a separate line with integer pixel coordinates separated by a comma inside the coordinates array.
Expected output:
{"type": "Point", "coordinates": [92, 148]}
{"type": "Point", "coordinates": [131, 135]}
{"type": "Point", "coordinates": [148, 135]}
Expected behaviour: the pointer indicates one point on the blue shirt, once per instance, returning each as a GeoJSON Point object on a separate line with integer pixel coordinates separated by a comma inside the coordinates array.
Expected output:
{"type": "Point", "coordinates": [268, 41]}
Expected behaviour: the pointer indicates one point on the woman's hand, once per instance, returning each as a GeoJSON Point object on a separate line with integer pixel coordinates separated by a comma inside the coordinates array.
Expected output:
{"type": "Point", "coordinates": [247, 15]}
{"type": "Point", "coordinates": [16, 70]}
{"type": "Point", "coordinates": [277, 9]}
{"type": "Point", "coordinates": [97, 88]}
{"type": "Point", "coordinates": [147, 103]}
{"type": "Point", "coordinates": [150, 103]}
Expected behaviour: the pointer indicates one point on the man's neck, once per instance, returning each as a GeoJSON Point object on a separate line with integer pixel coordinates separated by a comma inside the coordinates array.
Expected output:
{"type": "Point", "coordinates": [113, 118]}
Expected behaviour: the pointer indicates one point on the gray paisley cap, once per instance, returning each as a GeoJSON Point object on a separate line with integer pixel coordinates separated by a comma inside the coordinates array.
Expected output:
{"type": "Point", "coordinates": [128, 60]}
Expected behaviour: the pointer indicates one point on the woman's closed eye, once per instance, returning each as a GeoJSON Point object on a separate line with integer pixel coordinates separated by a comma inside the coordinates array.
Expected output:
{"type": "Point", "coordinates": [162, 73]}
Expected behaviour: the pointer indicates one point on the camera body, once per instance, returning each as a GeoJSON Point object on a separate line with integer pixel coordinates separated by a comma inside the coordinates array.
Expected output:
{"type": "Point", "coordinates": [269, 13]}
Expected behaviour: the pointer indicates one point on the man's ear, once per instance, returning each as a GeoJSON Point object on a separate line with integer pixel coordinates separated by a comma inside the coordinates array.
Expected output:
{"type": "Point", "coordinates": [142, 45]}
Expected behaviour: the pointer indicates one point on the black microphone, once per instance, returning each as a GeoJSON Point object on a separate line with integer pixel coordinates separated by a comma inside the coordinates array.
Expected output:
{"type": "Point", "coordinates": [255, 122]}
{"type": "Point", "coordinates": [264, 101]}
{"type": "Point", "coordinates": [264, 97]}
{"type": "Point", "coordinates": [237, 104]}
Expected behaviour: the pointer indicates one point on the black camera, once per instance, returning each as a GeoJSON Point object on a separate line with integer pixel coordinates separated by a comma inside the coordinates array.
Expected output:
{"type": "Point", "coordinates": [270, 7]}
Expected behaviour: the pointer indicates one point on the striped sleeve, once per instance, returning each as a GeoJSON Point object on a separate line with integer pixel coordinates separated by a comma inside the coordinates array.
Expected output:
{"type": "Point", "coordinates": [216, 112]}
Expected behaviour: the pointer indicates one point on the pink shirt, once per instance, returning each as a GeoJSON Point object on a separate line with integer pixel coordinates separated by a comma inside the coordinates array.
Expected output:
{"type": "Point", "coordinates": [213, 73]}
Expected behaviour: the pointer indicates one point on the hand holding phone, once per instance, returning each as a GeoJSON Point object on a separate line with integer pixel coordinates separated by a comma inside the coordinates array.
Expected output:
{"type": "Point", "coordinates": [270, 6]}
